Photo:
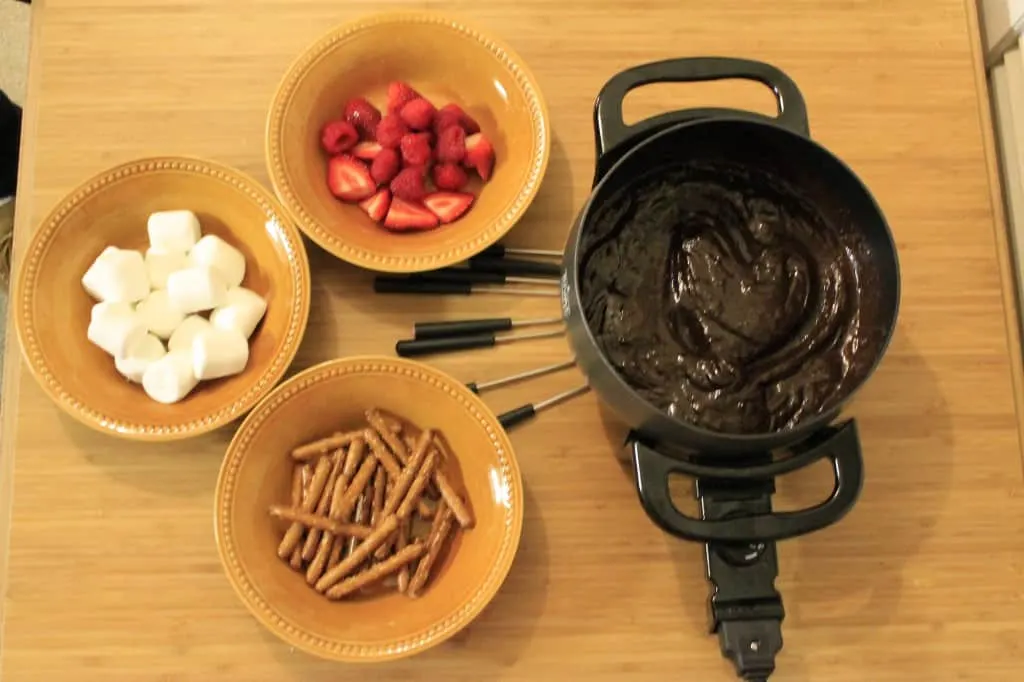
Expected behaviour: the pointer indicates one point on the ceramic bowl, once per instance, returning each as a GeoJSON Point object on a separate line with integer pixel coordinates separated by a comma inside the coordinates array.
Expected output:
{"type": "Point", "coordinates": [256, 474]}
{"type": "Point", "coordinates": [446, 60]}
{"type": "Point", "coordinates": [52, 309]}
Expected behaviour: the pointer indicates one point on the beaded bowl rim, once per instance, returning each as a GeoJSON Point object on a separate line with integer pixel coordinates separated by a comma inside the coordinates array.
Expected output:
{"type": "Point", "coordinates": [390, 262]}
{"type": "Point", "coordinates": [459, 615]}
{"type": "Point", "coordinates": [25, 299]}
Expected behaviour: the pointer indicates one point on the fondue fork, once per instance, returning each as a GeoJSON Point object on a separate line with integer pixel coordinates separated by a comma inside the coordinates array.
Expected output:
{"type": "Point", "coordinates": [511, 266]}
{"type": "Point", "coordinates": [407, 285]}
{"type": "Point", "coordinates": [500, 251]}
{"type": "Point", "coordinates": [528, 411]}
{"type": "Point", "coordinates": [439, 330]}
{"type": "Point", "coordinates": [480, 387]}
{"type": "Point", "coordinates": [408, 348]}
{"type": "Point", "coordinates": [473, 277]}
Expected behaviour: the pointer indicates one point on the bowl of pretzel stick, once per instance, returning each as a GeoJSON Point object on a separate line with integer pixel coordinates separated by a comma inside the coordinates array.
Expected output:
{"type": "Point", "coordinates": [368, 509]}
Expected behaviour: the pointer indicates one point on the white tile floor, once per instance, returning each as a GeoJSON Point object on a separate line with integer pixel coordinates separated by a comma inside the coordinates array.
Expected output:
{"type": "Point", "coordinates": [14, 33]}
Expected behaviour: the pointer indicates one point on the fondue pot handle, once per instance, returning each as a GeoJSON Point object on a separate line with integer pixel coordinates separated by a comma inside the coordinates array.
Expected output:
{"type": "Point", "coordinates": [610, 130]}
{"type": "Point", "coordinates": [839, 444]}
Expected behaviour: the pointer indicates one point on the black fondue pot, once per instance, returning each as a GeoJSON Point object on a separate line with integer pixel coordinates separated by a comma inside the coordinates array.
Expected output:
{"type": "Point", "coordinates": [734, 468]}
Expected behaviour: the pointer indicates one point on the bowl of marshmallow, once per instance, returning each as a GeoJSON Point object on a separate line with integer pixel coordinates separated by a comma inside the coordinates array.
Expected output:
{"type": "Point", "coordinates": [163, 298]}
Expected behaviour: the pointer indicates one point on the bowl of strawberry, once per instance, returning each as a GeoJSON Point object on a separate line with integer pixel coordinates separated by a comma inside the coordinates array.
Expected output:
{"type": "Point", "coordinates": [407, 141]}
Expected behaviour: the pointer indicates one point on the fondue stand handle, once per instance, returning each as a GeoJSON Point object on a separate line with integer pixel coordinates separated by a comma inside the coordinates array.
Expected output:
{"type": "Point", "coordinates": [840, 444]}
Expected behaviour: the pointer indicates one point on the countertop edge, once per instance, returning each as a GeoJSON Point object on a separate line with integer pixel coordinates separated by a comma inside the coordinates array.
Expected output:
{"type": "Point", "coordinates": [12, 365]}
{"type": "Point", "coordinates": [999, 223]}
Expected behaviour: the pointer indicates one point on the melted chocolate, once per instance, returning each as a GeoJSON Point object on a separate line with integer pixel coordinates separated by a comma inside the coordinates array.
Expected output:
{"type": "Point", "coordinates": [723, 297]}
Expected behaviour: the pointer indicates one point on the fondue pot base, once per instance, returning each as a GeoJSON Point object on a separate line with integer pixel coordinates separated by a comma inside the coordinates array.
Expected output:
{"type": "Point", "coordinates": [744, 608]}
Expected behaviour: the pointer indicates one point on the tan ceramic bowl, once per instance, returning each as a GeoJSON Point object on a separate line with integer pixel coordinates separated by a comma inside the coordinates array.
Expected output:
{"type": "Point", "coordinates": [257, 473]}
{"type": "Point", "coordinates": [52, 309]}
{"type": "Point", "coordinates": [446, 61]}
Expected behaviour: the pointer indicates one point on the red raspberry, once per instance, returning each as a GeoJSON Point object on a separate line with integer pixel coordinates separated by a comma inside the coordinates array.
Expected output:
{"type": "Point", "coordinates": [416, 149]}
{"type": "Point", "coordinates": [399, 94]}
{"type": "Point", "coordinates": [451, 144]}
{"type": "Point", "coordinates": [390, 131]}
{"type": "Point", "coordinates": [449, 176]}
{"type": "Point", "coordinates": [408, 184]}
{"type": "Point", "coordinates": [385, 166]}
{"type": "Point", "coordinates": [338, 136]}
{"type": "Point", "coordinates": [452, 114]}
{"type": "Point", "coordinates": [418, 114]}
{"type": "Point", "coordinates": [363, 115]}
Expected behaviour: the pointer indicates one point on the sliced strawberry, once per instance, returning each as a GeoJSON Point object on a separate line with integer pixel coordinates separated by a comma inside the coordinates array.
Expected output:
{"type": "Point", "coordinates": [338, 136]}
{"type": "Point", "coordinates": [449, 176]}
{"type": "Point", "coordinates": [418, 114]}
{"type": "Point", "coordinates": [416, 149]}
{"type": "Point", "coordinates": [390, 131]}
{"type": "Point", "coordinates": [448, 206]}
{"type": "Point", "coordinates": [366, 150]}
{"type": "Point", "coordinates": [451, 145]}
{"type": "Point", "coordinates": [386, 166]}
{"type": "Point", "coordinates": [404, 215]}
{"type": "Point", "coordinates": [453, 114]}
{"type": "Point", "coordinates": [409, 184]}
{"type": "Point", "coordinates": [349, 179]}
{"type": "Point", "coordinates": [363, 115]}
{"type": "Point", "coordinates": [400, 94]}
{"type": "Point", "coordinates": [377, 206]}
{"type": "Point", "coordinates": [479, 155]}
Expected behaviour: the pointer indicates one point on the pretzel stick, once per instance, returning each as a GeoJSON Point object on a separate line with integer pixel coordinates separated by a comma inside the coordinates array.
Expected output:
{"type": "Point", "coordinates": [419, 484]}
{"type": "Point", "coordinates": [362, 511]}
{"type": "Point", "coordinates": [359, 483]}
{"type": "Point", "coordinates": [403, 540]}
{"type": "Point", "coordinates": [435, 541]}
{"type": "Point", "coordinates": [316, 486]}
{"type": "Point", "coordinates": [452, 499]}
{"type": "Point", "coordinates": [379, 487]}
{"type": "Point", "coordinates": [329, 552]}
{"type": "Point", "coordinates": [323, 505]}
{"type": "Point", "coordinates": [322, 557]}
{"type": "Point", "coordinates": [377, 571]}
{"type": "Point", "coordinates": [365, 548]}
{"type": "Point", "coordinates": [376, 420]}
{"type": "Point", "coordinates": [317, 448]}
{"type": "Point", "coordinates": [300, 478]}
{"type": "Point", "coordinates": [403, 482]}
{"type": "Point", "coordinates": [336, 549]}
{"type": "Point", "coordinates": [323, 523]}
{"type": "Point", "coordinates": [386, 457]}
{"type": "Point", "coordinates": [296, 486]}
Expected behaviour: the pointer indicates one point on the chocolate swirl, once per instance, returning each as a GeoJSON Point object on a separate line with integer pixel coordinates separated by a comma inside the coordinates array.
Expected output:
{"type": "Point", "coordinates": [722, 296]}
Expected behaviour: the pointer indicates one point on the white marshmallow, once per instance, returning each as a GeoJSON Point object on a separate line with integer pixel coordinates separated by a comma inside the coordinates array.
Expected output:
{"type": "Point", "coordinates": [194, 289]}
{"type": "Point", "coordinates": [173, 231]}
{"type": "Point", "coordinates": [170, 378]}
{"type": "Point", "coordinates": [103, 308]}
{"type": "Point", "coordinates": [138, 356]}
{"type": "Point", "coordinates": [242, 311]}
{"type": "Point", "coordinates": [181, 339]}
{"type": "Point", "coordinates": [160, 264]}
{"type": "Point", "coordinates": [213, 252]}
{"type": "Point", "coordinates": [113, 328]}
{"type": "Point", "coordinates": [219, 353]}
{"type": "Point", "coordinates": [160, 317]}
{"type": "Point", "coordinates": [117, 275]}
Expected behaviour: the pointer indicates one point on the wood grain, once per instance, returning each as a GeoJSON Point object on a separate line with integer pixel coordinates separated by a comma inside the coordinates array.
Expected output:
{"type": "Point", "coordinates": [112, 573]}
